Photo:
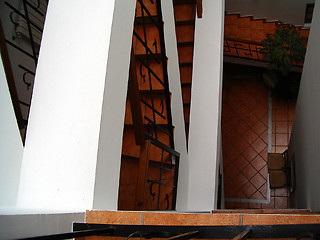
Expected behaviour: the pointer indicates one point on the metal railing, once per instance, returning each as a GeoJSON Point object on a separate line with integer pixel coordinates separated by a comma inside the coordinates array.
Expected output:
{"type": "Point", "coordinates": [242, 49]}
{"type": "Point", "coordinates": [28, 22]}
{"type": "Point", "coordinates": [149, 50]}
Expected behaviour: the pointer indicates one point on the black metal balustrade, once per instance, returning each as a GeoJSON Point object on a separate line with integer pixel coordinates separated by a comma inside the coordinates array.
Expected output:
{"type": "Point", "coordinates": [28, 21]}
{"type": "Point", "coordinates": [149, 50]}
{"type": "Point", "coordinates": [295, 231]}
{"type": "Point", "coordinates": [243, 49]}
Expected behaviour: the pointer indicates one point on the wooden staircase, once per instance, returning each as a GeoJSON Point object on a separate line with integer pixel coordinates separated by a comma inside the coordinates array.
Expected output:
{"type": "Point", "coordinates": [148, 165]}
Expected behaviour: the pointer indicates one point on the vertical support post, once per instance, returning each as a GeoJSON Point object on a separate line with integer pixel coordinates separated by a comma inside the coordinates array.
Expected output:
{"type": "Point", "coordinates": [142, 175]}
{"type": "Point", "coordinates": [134, 96]}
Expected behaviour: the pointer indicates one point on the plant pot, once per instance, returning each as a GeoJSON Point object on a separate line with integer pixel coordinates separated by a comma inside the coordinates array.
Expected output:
{"type": "Point", "coordinates": [271, 79]}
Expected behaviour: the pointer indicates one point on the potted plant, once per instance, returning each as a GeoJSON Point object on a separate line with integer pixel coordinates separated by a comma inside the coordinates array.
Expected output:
{"type": "Point", "coordinates": [283, 49]}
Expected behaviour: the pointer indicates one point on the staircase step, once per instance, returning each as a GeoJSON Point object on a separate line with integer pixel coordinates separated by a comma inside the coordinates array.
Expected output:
{"type": "Point", "coordinates": [185, 33]}
{"type": "Point", "coordinates": [185, 53]}
{"type": "Point", "coordinates": [184, 12]}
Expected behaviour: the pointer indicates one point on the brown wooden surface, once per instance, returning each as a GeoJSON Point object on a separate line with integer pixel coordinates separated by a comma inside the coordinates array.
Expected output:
{"type": "Point", "coordinates": [199, 8]}
{"type": "Point", "coordinates": [10, 79]}
{"type": "Point", "coordinates": [134, 96]}
{"type": "Point", "coordinates": [142, 174]}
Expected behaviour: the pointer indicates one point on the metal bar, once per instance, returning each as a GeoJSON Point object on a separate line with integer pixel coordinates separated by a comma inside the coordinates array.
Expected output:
{"type": "Point", "coordinates": [213, 232]}
{"type": "Point", "coordinates": [145, 45]}
{"type": "Point", "coordinates": [23, 103]}
{"type": "Point", "coordinates": [185, 236]}
{"type": "Point", "coordinates": [156, 125]}
{"type": "Point", "coordinates": [35, 9]}
{"type": "Point", "coordinates": [149, 74]}
{"type": "Point", "coordinates": [26, 69]}
{"type": "Point", "coordinates": [161, 183]}
{"type": "Point", "coordinates": [162, 146]}
{"type": "Point", "coordinates": [175, 182]}
{"type": "Point", "coordinates": [10, 79]}
{"type": "Point", "coordinates": [30, 31]}
{"type": "Point", "coordinates": [147, 11]}
{"type": "Point", "coordinates": [23, 16]}
{"type": "Point", "coordinates": [75, 234]}
{"type": "Point", "coordinates": [157, 166]}
{"type": "Point", "coordinates": [243, 234]}
{"type": "Point", "coordinates": [152, 108]}
{"type": "Point", "coordinates": [20, 49]}
{"type": "Point", "coordinates": [152, 72]}
{"type": "Point", "coordinates": [165, 72]}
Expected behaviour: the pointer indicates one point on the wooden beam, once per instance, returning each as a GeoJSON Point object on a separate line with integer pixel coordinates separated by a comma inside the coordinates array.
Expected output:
{"type": "Point", "coordinates": [10, 79]}
{"type": "Point", "coordinates": [142, 175]}
{"type": "Point", "coordinates": [134, 97]}
{"type": "Point", "coordinates": [199, 8]}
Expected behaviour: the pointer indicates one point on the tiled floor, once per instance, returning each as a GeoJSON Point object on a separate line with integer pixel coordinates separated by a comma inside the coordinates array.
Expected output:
{"type": "Point", "coordinates": [245, 138]}
{"type": "Point", "coordinates": [245, 142]}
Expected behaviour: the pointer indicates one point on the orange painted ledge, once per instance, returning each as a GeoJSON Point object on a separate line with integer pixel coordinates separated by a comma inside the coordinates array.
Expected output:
{"type": "Point", "coordinates": [198, 219]}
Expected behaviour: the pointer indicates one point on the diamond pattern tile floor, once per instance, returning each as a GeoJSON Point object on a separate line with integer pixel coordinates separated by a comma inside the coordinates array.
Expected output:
{"type": "Point", "coordinates": [244, 133]}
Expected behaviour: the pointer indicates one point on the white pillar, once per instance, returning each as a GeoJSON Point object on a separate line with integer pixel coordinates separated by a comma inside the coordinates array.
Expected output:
{"type": "Point", "coordinates": [114, 107]}
{"type": "Point", "coordinates": [68, 105]}
{"type": "Point", "coordinates": [11, 148]}
{"type": "Point", "coordinates": [204, 138]}
{"type": "Point", "coordinates": [176, 103]}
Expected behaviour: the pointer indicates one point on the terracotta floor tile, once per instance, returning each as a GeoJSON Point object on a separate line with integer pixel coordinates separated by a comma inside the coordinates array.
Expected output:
{"type": "Point", "coordinates": [290, 125]}
{"type": "Point", "coordinates": [259, 145]}
{"type": "Point", "coordinates": [260, 111]}
{"type": "Point", "coordinates": [264, 154]}
{"type": "Point", "coordinates": [239, 181]}
{"type": "Point", "coordinates": [281, 127]}
{"type": "Point", "coordinates": [258, 180]}
{"type": "Point", "coordinates": [250, 136]}
{"type": "Point", "coordinates": [240, 162]}
{"type": "Point", "coordinates": [231, 171]}
{"type": "Point", "coordinates": [258, 162]}
{"type": "Point", "coordinates": [232, 135]}
{"type": "Point", "coordinates": [264, 172]}
{"type": "Point", "coordinates": [255, 205]}
{"type": "Point", "coordinates": [242, 127]}
{"type": "Point", "coordinates": [183, 219]}
{"type": "Point", "coordinates": [259, 128]}
{"type": "Point", "coordinates": [265, 137]}
{"type": "Point", "coordinates": [250, 119]}
{"type": "Point", "coordinates": [257, 195]}
{"type": "Point", "coordinates": [241, 145]}
{"type": "Point", "coordinates": [281, 115]}
{"type": "Point", "coordinates": [281, 192]}
{"type": "Point", "coordinates": [248, 189]}
{"type": "Point", "coordinates": [265, 119]}
{"type": "Point", "coordinates": [249, 154]}
{"type": "Point", "coordinates": [249, 171]}
{"type": "Point", "coordinates": [273, 138]}
{"type": "Point", "coordinates": [272, 219]}
{"type": "Point", "coordinates": [263, 190]}
{"type": "Point", "coordinates": [280, 202]}
{"type": "Point", "coordinates": [281, 149]}
{"type": "Point", "coordinates": [113, 217]}
{"type": "Point", "coordinates": [269, 205]}
{"type": "Point", "coordinates": [281, 139]}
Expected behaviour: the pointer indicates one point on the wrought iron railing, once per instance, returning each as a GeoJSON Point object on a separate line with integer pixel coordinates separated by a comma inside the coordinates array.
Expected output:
{"type": "Point", "coordinates": [149, 50]}
{"type": "Point", "coordinates": [28, 21]}
{"type": "Point", "coordinates": [242, 49]}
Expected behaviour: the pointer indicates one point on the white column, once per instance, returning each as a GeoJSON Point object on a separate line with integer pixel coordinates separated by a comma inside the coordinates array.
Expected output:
{"type": "Point", "coordinates": [176, 103]}
{"type": "Point", "coordinates": [204, 137]}
{"type": "Point", "coordinates": [304, 142]}
{"type": "Point", "coordinates": [113, 109]}
{"type": "Point", "coordinates": [72, 87]}
{"type": "Point", "coordinates": [11, 148]}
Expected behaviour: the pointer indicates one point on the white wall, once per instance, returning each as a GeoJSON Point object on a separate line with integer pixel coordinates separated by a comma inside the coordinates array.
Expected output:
{"type": "Point", "coordinates": [59, 162]}
{"type": "Point", "coordinates": [205, 107]}
{"type": "Point", "coordinates": [176, 103]}
{"type": "Point", "coordinates": [113, 109]}
{"type": "Point", "coordinates": [288, 11]}
{"type": "Point", "coordinates": [304, 141]}
{"type": "Point", "coordinates": [11, 148]}
{"type": "Point", "coordinates": [23, 226]}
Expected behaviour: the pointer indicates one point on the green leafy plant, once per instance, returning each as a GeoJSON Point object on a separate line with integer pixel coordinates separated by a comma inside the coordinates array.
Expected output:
{"type": "Point", "coordinates": [284, 48]}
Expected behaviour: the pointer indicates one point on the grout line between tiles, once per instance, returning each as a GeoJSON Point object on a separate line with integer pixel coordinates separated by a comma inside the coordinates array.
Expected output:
{"type": "Point", "coordinates": [241, 219]}
{"type": "Point", "coordinates": [142, 219]}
